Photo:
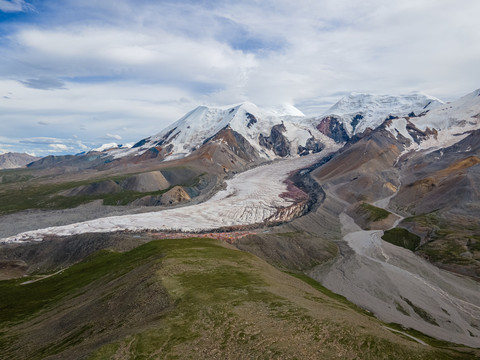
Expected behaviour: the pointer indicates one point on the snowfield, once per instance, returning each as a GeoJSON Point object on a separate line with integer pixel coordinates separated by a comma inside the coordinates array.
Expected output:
{"type": "Point", "coordinates": [249, 198]}
{"type": "Point", "coordinates": [190, 132]}
{"type": "Point", "coordinates": [453, 122]}
{"type": "Point", "coordinates": [376, 108]}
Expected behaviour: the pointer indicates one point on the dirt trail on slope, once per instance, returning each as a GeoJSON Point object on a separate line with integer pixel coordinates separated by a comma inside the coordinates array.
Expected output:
{"type": "Point", "coordinates": [400, 287]}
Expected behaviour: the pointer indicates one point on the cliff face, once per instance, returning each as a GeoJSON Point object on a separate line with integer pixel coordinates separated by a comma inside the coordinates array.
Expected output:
{"type": "Point", "coordinates": [333, 128]}
{"type": "Point", "coordinates": [276, 141]}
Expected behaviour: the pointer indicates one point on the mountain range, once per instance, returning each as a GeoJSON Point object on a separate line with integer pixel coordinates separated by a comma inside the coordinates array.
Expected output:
{"type": "Point", "coordinates": [277, 134]}
{"type": "Point", "coordinates": [376, 200]}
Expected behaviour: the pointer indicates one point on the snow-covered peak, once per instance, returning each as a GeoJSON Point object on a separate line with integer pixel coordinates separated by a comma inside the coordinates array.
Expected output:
{"type": "Point", "coordinates": [449, 122]}
{"type": "Point", "coordinates": [112, 146]}
{"type": "Point", "coordinates": [369, 110]}
{"type": "Point", "coordinates": [464, 112]}
{"type": "Point", "coordinates": [202, 123]}
{"type": "Point", "coordinates": [284, 110]}
{"type": "Point", "coordinates": [188, 133]}
{"type": "Point", "coordinates": [104, 147]}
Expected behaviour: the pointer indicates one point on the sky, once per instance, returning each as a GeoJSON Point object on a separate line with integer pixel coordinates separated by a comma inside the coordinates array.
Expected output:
{"type": "Point", "coordinates": [75, 74]}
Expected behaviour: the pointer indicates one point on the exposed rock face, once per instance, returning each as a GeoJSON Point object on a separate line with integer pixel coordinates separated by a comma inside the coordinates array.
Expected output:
{"type": "Point", "coordinates": [441, 189]}
{"type": "Point", "coordinates": [419, 135]}
{"type": "Point", "coordinates": [146, 182]}
{"type": "Point", "coordinates": [276, 141]}
{"type": "Point", "coordinates": [288, 213]}
{"type": "Point", "coordinates": [355, 120]}
{"type": "Point", "coordinates": [311, 146]}
{"type": "Point", "coordinates": [333, 128]}
{"type": "Point", "coordinates": [174, 196]}
{"type": "Point", "coordinates": [15, 160]}
{"type": "Point", "coordinates": [363, 166]}
{"type": "Point", "coordinates": [154, 153]}
{"type": "Point", "coordinates": [251, 119]}
{"type": "Point", "coordinates": [203, 124]}
{"type": "Point", "coordinates": [228, 149]}
{"type": "Point", "coordinates": [442, 180]}
{"type": "Point", "coordinates": [164, 138]}
{"type": "Point", "coordinates": [237, 143]}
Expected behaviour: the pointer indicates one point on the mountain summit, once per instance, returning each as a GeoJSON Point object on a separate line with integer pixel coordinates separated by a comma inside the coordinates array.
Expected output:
{"type": "Point", "coordinates": [271, 133]}
{"type": "Point", "coordinates": [356, 112]}
{"type": "Point", "coordinates": [278, 132]}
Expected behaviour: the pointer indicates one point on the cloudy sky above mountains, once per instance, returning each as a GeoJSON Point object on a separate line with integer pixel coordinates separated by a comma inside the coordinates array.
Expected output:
{"type": "Point", "coordinates": [78, 73]}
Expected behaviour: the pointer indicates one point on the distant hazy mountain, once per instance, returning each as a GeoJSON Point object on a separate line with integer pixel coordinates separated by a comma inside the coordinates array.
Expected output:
{"type": "Point", "coordinates": [15, 160]}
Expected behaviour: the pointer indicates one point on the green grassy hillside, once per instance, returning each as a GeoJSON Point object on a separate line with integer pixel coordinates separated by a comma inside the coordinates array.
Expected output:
{"type": "Point", "coordinates": [190, 299]}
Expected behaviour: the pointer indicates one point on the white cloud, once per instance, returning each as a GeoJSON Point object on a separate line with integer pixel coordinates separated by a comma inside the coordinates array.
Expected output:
{"type": "Point", "coordinates": [58, 147]}
{"type": "Point", "coordinates": [114, 136]}
{"type": "Point", "coordinates": [14, 6]}
{"type": "Point", "coordinates": [42, 145]}
{"type": "Point", "coordinates": [131, 69]}
{"type": "Point", "coordinates": [159, 56]}
{"type": "Point", "coordinates": [4, 148]}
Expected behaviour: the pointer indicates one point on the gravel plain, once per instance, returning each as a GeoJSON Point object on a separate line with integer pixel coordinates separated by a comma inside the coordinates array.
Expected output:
{"type": "Point", "coordinates": [401, 287]}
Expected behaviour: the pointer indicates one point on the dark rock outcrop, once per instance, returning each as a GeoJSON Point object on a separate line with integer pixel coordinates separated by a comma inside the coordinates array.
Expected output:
{"type": "Point", "coordinates": [355, 120]}
{"type": "Point", "coordinates": [276, 141]}
{"type": "Point", "coordinates": [333, 128]}
{"type": "Point", "coordinates": [251, 119]}
{"type": "Point", "coordinates": [311, 146]}
{"type": "Point", "coordinates": [419, 135]}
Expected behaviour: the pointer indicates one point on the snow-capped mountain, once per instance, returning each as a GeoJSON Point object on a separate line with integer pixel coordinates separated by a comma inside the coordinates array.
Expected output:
{"type": "Point", "coordinates": [272, 133]}
{"type": "Point", "coordinates": [112, 146]}
{"type": "Point", "coordinates": [356, 112]}
{"type": "Point", "coordinates": [281, 131]}
{"type": "Point", "coordinates": [443, 126]}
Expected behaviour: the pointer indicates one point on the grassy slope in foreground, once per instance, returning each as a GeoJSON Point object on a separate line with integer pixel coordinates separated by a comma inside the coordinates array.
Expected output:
{"type": "Point", "coordinates": [189, 298]}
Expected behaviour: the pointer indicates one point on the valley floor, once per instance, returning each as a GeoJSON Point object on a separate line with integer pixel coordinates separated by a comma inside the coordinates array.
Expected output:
{"type": "Point", "coordinates": [391, 282]}
{"type": "Point", "coordinates": [401, 287]}
{"type": "Point", "coordinates": [250, 198]}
